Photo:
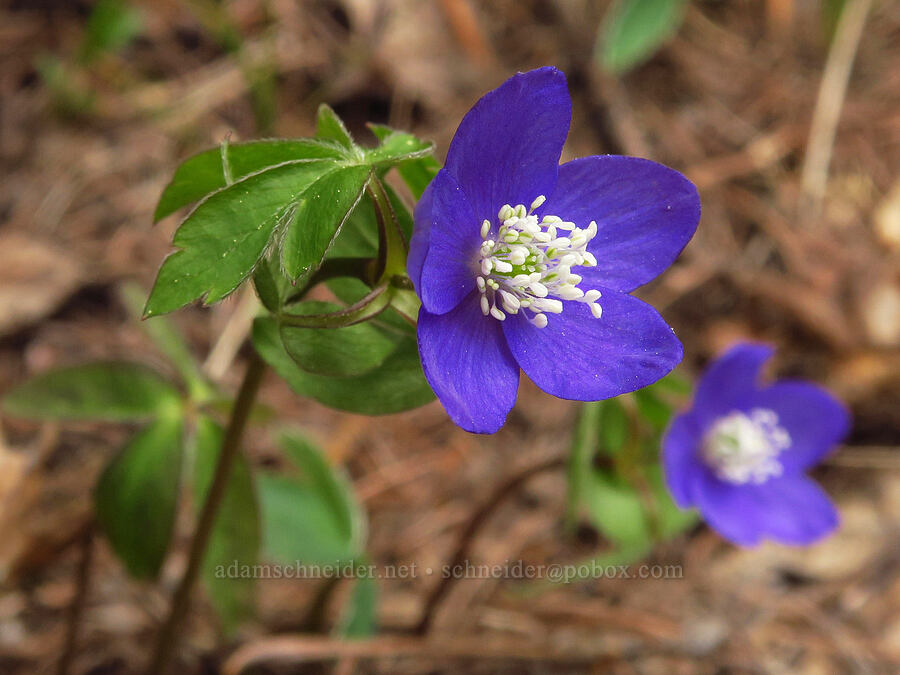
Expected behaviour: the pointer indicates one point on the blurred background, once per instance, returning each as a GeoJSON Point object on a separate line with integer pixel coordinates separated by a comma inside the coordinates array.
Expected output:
{"type": "Point", "coordinates": [784, 113]}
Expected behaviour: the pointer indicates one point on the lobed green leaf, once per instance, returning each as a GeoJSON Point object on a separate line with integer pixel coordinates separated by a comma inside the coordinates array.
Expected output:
{"type": "Point", "coordinates": [110, 27]}
{"type": "Point", "coordinates": [271, 285]}
{"type": "Point", "coordinates": [214, 169]}
{"type": "Point", "coordinates": [358, 237]}
{"type": "Point", "coordinates": [359, 618]}
{"type": "Point", "coordinates": [412, 157]}
{"type": "Point", "coordinates": [137, 496]}
{"type": "Point", "coordinates": [652, 408]}
{"type": "Point", "coordinates": [397, 384]}
{"type": "Point", "coordinates": [330, 483]}
{"type": "Point", "coordinates": [330, 127]}
{"type": "Point", "coordinates": [114, 391]}
{"type": "Point", "coordinates": [396, 147]}
{"type": "Point", "coordinates": [318, 215]}
{"type": "Point", "coordinates": [226, 235]}
{"type": "Point", "coordinates": [311, 516]}
{"type": "Point", "coordinates": [236, 534]}
{"type": "Point", "coordinates": [339, 352]}
{"type": "Point", "coordinates": [616, 508]}
{"type": "Point", "coordinates": [634, 29]}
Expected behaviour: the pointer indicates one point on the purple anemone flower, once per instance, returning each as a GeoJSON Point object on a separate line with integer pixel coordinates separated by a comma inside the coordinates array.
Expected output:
{"type": "Point", "coordinates": [739, 454]}
{"type": "Point", "coordinates": [522, 263]}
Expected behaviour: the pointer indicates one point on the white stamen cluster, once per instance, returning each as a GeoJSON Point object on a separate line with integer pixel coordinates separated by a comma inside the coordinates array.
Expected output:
{"type": "Point", "coordinates": [742, 448]}
{"type": "Point", "coordinates": [528, 265]}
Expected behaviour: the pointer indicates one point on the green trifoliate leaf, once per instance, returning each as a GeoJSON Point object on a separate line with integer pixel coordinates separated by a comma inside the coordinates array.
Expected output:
{"type": "Point", "coordinates": [214, 169]}
{"type": "Point", "coordinates": [397, 384]}
{"type": "Point", "coordinates": [634, 29]}
{"type": "Point", "coordinates": [359, 618]}
{"type": "Point", "coordinates": [338, 352]}
{"type": "Point", "coordinates": [318, 214]}
{"type": "Point", "coordinates": [96, 391]}
{"type": "Point", "coordinates": [330, 127]}
{"type": "Point", "coordinates": [235, 540]}
{"type": "Point", "coordinates": [312, 515]}
{"type": "Point", "coordinates": [137, 495]}
{"type": "Point", "coordinates": [224, 238]}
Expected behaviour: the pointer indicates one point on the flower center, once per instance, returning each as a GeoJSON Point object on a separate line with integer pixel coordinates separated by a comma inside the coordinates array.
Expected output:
{"type": "Point", "coordinates": [527, 265]}
{"type": "Point", "coordinates": [743, 448]}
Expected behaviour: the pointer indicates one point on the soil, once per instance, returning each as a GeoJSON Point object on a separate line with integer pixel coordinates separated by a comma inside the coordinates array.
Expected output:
{"type": "Point", "coordinates": [811, 267]}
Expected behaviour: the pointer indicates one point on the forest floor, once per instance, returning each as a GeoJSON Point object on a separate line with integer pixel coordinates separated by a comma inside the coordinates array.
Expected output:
{"type": "Point", "coordinates": [810, 265]}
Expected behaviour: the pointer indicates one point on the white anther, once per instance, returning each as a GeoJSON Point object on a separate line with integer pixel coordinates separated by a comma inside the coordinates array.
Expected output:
{"type": "Point", "coordinates": [527, 265]}
{"type": "Point", "coordinates": [510, 302]}
{"type": "Point", "coordinates": [569, 292]}
{"type": "Point", "coordinates": [596, 309]}
{"type": "Point", "coordinates": [551, 305]}
{"type": "Point", "coordinates": [538, 289]}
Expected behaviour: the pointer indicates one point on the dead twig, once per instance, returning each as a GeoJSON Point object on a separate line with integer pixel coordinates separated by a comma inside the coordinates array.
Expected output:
{"type": "Point", "coordinates": [464, 23]}
{"type": "Point", "coordinates": [232, 337]}
{"type": "Point", "coordinates": [829, 102]}
{"type": "Point", "coordinates": [882, 458]}
{"type": "Point", "coordinates": [76, 609]}
{"type": "Point", "coordinates": [295, 649]}
{"type": "Point", "coordinates": [478, 519]}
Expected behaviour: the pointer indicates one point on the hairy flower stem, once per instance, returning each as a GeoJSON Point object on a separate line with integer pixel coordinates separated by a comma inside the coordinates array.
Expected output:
{"type": "Point", "coordinates": [167, 639]}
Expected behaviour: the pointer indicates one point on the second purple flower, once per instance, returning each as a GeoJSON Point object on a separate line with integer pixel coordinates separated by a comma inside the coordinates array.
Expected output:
{"type": "Point", "coordinates": [522, 263]}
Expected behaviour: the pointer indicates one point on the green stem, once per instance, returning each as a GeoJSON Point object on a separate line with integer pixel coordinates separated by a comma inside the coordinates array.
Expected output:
{"type": "Point", "coordinates": [391, 244]}
{"type": "Point", "coordinates": [584, 445]}
{"type": "Point", "coordinates": [372, 304]}
{"type": "Point", "coordinates": [168, 635]}
{"type": "Point", "coordinates": [333, 268]}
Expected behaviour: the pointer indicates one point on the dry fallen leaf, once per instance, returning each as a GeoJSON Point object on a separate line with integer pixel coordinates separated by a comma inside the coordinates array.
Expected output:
{"type": "Point", "coordinates": [35, 278]}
